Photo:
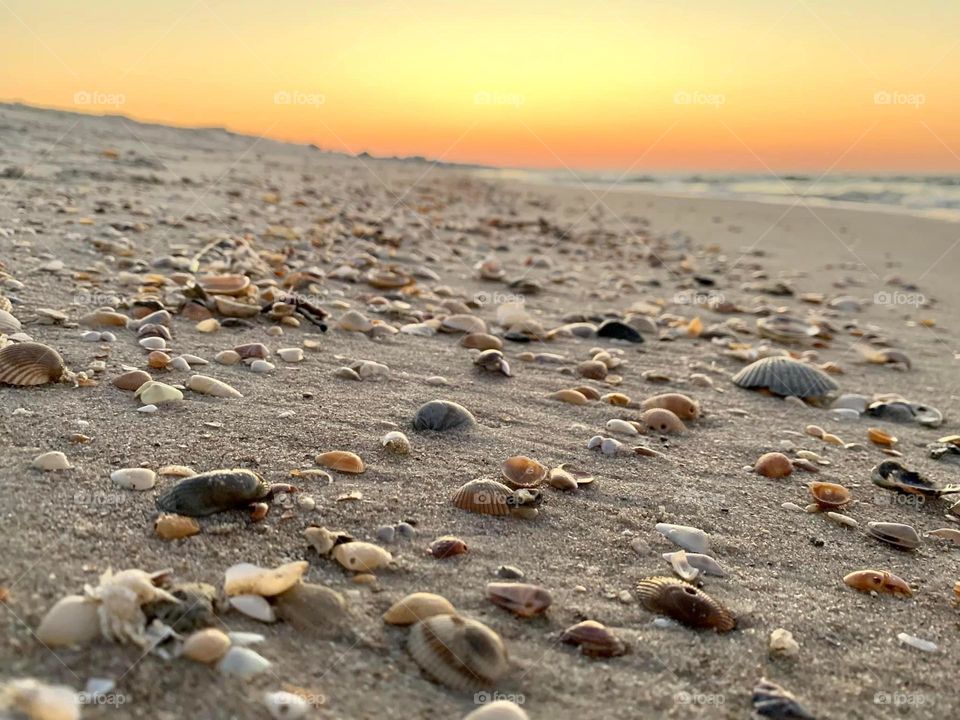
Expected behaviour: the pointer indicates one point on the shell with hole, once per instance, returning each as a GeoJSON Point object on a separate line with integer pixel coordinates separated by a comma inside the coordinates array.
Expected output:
{"type": "Point", "coordinates": [362, 556]}
{"type": "Point", "coordinates": [662, 421]}
{"type": "Point", "coordinates": [520, 471]}
{"type": "Point", "coordinates": [684, 603]}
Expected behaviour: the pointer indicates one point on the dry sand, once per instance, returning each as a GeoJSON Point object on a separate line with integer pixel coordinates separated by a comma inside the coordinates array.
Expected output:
{"type": "Point", "coordinates": [60, 530]}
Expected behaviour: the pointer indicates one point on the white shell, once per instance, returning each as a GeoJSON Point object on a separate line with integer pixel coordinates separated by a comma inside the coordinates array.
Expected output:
{"type": "Point", "coordinates": [53, 460]}
{"type": "Point", "coordinates": [918, 643]}
{"type": "Point", "coordinates": [120, 596]}
{"type": "Point", "coordinates": [211, 386]}
{"type": "Point", "coordinates": [704, 563]}
{"type": "Point", "coordinates": [621, 427]}
{"type": "Point", "coordinates": [254, 606]}
{"type": "Point", "coordinates": [370, 370]}
{"type": "Point", "coordinates": [178, 363]}
{"type": "Point", "coordinates": [362, 556]}
{"type": "Point", "coordinates": [38, 701]}
{"type": "Point", "coordinates": [153, 343]}
{"type": "Point", "coordinates": [498, 710]}
{"type": "Point", "coordinates": [292, 355]}
{"type": "Point", "coordinates": [72, 621]}
{"type": "Point", "coordinates": [243, 663]}
{"type": "Point", "coordinates": [262, 366]}
{"type": "Point", "coordinates": [248, 579]}
{"type": "Point", "coordinates": [397, 442]}
{"type": "Point", "coordinates": [134, 478]}
{"type": "Point", "coordinates": [611, 446]}
{"type": "Point", "coordinates": [691, 539]}
{"type": "Point", "coordinates": [595, 442]}
{"type": "Point", "coordinates": [284, 705]}
{"type": "Point", "coordinates": [155, 393]}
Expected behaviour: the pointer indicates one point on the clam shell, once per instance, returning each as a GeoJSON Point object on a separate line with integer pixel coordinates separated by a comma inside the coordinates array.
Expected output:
{"type": "Point", "coordinates": [458, 652]}
{"type": "Point", "coordinates": [621, 427]}
{"type": "Point", "coordinates": [896, 534]}
{"type": "Point", "coordinates": [683, 407]}
{"type": "Point", "coordinates": [252, 351]}
{"type": "Point", "coordinates": [662, 421]}
{"type": "Point", "coordinates": [689, 538]}
{"type": "Point", "coordinates": [443, 415]}
{"type": "Point", "coordinates": [618, 399]}
{"type": "Point", "coordinates": [388, 279]}
{"type": "Point", "coordinates": [243, 663]}
{"type": "Point", "coordinates": [49, 461]}
{"type": "Point", "coordinates": [131, 381]}
{"type": "Point", "coordinates": [206, 646]}
{"type": "Point", "coordinates": [9, 324]}
{"type": "Point", "coordinates": [249, 579]}
{"type": "Point", "coordinates": [362, 556]}
{"type": "Point", "coordinates": [704, 563]}
{"type": "Point", "coordinates": [520, 471]}
{"type": "Point", "coordinates": [324, 541]}
{"type": "Point", "coordinates": [571, 397]}
{"type": "Point", "coordinates": [416, 607]}
{"type": "Point", "coordinates": [588, 392]}
{"type": "Point", "coordinates": [447, 546]}
{"type": "Point", "coordinates": [211, 386]}
{"type": "Point", "coordinates": [784, 376]}
{"type": "Point", "coordinates": [30, 363]}
{"type": "Point", "coordinates": [315, 609]}
{"type": "Point", "coordinates": [104, 318]}
{"type": "Point", "coordinates": [879, 581]}
{"type": "Point", "coordinates": [829, 496]}
{"type": "Point", "coordinates": [880, 437]}
{"type": "Point", "coordinates": [594, 639]}
{"type": "Point", "coordinates": [175, 527]}
{"type": "Point", "coordinates": [488, 497]}
{"type": "Point", "coordinates": [592, 369]}
{"type": "Point", "coordinates": [773, 465]}
{"type": "Point", "coordinates": [156, 393]}
{"type": "Point", "coordinates": [481, 341]}
{"type": "Point", "coordinates": [134, 478]}
{"type": "Point", "coordinates": [522, 599]}
{"type": "Point", "coordinates": [213, 491]}
{"type": "Point", "coordinates": [498, 710]}
{"type": "Point", "coordinates": [72, 621]}
{"type": "Point", "coordinates": [233, 285]}
{"type": "Point", "coordinates": [341, 460]}
{"type": "Point", "coordinates": [684, 603]}
{"type": "Point", "coordinates": [253, 606]}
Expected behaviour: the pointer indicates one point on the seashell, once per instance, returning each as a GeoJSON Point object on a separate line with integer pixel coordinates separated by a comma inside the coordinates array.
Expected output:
{"type": "Point", "coordinates": [252, 351]}
{"type": "Point", "coordinates": [243, 663]}
{"type": "Point", "coordinates": [316, 609]}
{"type": "Point", "coordinates": [388, 279]}
{"type": "Point", "coordinates": [210, 325]}
{"type": "Point", "coordinates": [131, 381]}
{"type": "Point", "coordinates": [498, 710]}
{"type": "Point", "coordinates": [158, 360]}
{"type": "Point", "coordinates": [684, 603]}
{"type": "Point", "coordinates": [561, 479]}
{"type": "Point", "coordinates": [618, 399]}
{"type": "Point", "coordinates": [155, 393]}
{"type": "Point", "coordinates": [253, 606]}
{"type": "Point", "coordinates": [175, 527]}
{"type": "Point", "coordinates": [248, 579]}
{"type": "Point", "coordinates": [463, 323]}
{"type": "Point", "coordinates": [134, 478]}
{"type": "Point", "coordinates": [593, 369]}
{"type": "Point", "coordinates": [211, 386]}
{"type": "Point", "coordinates": [900, 536]}
{"type": "Point", "coordinates": [781, 643]}
{"type": "Point", "coordinates": [206, 646]}
{"type": "Point", "coordinates": [481, 341]}
{"type": "Point", "coordinates": [698, 561]}
{"type": "Point", "coordinates": [621, 427]}
{"type": "Point", "coordinates": [416, 607]}
{"type": "Point", "coordinates": [805, 465]}
{"type": "Point", "coordinates": [353, 321]}
{"type": "Point", "coordinates": [447, 546]}
{"type": "Point", "coordinates": [73, 620]}
{"type": "Point", "coordinates": [227, 357]}
{"type": "Point", "coordinates": [771, 700]}
{"type": "Point", "coordinates": [9, 325]}
{"type": "Point", "coordinates": [458, 652]}
{"type": "Point", "coordinates": [815, 431]}
{"type": "Point", "coordinates": [443, 415]}
{"type": "Point", "coordinates": [396, 442]}
{"type": "Point", "coordinates": [282, 705]}
{"type": "Point", "coordinates": [520, 471]}
{"type": "Point", "coordinates": [521, 599]}
{"type": "Point", "coordinates": [493, 361]}
{"type": "Point", "coordinates": [345, 373]}
{"type": "Point", "coordinates": [488, 497]}
{"type": "Point", "coordinates": [951, 534]}
{"type": "Point", "coordinates": [361, 556]}
{"type": "Point", "coordinates": [893, 476]}
{"type": "Point", "coordinates": [213, 491]}
{"type": "Point", "coordinates": [30, 699]}
{"type": "Point", "coordinates": [680, 405]}
{"type": "Point", "coordinates": [619, 331]}
{"type": "Point", "coordinates": [879, 437]}
{"type": "Point", "coordinates": [689, 538]}
{"type": "Point", "coordinates": [228, 307]}
{"type": "Point", "coordinates": [233, 285]}
{"type": "Point", "coordinates": [786, 329]}
{"type": "Point", "coordinates": [681, 566]}
{"type": "Point", "coordinates": [829, 496]}
{"type": "Point", "coordinates": [785, 377]}
{"type": "Point", "coordinates": [324, 540]}
{"type": "Point", "coordinates": [662, 421]}
{"type": "Point", "coordinates": [917, 643]}
{"type": "Point", "coordinates": [152, 343]}
{"type": "Point", "coordinates": [773, 465]}
{"type": "Point", "coordinates": [50, 461]}
{"type": "Point", "coordinates": [341, 460]}
{"type": "Point", "coordinates": [104, 318]}
{"type": "Point", "coordinates": [161, 332]}
{"type": "Point", "coordinates": [370, 370]}
{"type": "Point", "coordinates": [594, 639]}
{"type": "Point", "coordinates": [878, 581]}
{"type": "Point", "coordinates": [571, 397]}
{"type": "Point", "coordinates": [291, 355]}
{"type": "Point", "coordinates": [30, 363]}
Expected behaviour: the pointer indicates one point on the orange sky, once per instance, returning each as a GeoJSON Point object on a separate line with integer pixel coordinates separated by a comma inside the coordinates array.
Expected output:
{"type": "Point", "coordinates": [640, 84]}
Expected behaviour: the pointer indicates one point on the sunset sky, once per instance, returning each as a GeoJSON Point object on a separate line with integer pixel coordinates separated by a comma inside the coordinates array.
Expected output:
{"type": "Point", "coordinates": [616, 84]}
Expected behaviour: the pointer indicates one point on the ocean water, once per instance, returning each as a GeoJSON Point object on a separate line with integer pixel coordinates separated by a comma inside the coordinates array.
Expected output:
{"type": "Point", "coordinates": [928, 195]}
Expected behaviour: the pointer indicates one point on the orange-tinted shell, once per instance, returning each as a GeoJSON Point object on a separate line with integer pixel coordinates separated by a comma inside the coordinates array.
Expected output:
{"type": "Point", "coordinates": [879, 437]}
{"type": "Point", "coordinates": [594, 639]}
{"type": "Point", "coordinates": [520, 471]}
{"type": "Point", "coordinates": [521, 599]}
{"type": "Point", "coordinates": [447, 546]}
{"type": "Point", "coordinates": [481, 341]}
{"type": "Point", "coordinates": [588, 392]}
{"type": "Point", "coordinates": [618, 399]}
{"type": "Point", "coordinates": [662, 421]}
{"type": "Point", "coordinates": [158, 360]}
{"type": "Point", "coordinates": [683, 407]}
{"type": "Point", "coordinates": [829, 496]}
{"type": "Point", "coordinates": [879, 581]}
{"type": "Point", "coordinates": [572, 397]}
{"type": "Point", "coordinates": [487, 497]}
{"type": "Point", "coordinates": [30, 364]}
{"type": "Point", "coordinates": [224, 284]}
{"type": "Point", "coordinates": [341, 460]}
{"type": "Point", "coordinates": [388, 279]}
{"type": "Point", "coordinates": [774, 465]}
{"type": "Point", "coordinates": [685, 604]}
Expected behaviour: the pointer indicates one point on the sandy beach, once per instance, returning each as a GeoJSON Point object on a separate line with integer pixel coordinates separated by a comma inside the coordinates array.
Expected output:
{"type": "Point", "coordinates": [89, 207]}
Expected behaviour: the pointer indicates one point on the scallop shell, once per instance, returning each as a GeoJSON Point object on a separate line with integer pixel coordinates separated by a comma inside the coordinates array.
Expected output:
{"type": "Point", "coordinates": [571, 397]}
{"type": "Point", "coordinates": [362, 556]}
{"type": "Point", "coordinates": [900, 536]}
{"type": "Point", "coordinates": [211, 386]}
{"type": "Point", "coordinates": [416, 607]}
{"type": "Point", "coordinates": [488, 497]}
{"type": "Point", "coordinates": [784, 376]}
{"type": "Point", "coordinates": [878, 581]}
{"type": "Point", "coordinates": [773, 465]}
{"type": "Point", "coordinates": [663, 421]}
{"type": "Point", "coordinates": [447, 546]}
{"type": "Point", "coordinates": [830, 496]}
{"type": "Point", "coordinates": [9, 324]}
{"type": "Point", "coordinates": [683, 407]}
{"type": "Point", "coordinates": [341, 460]}
{"type": "Point", "coordinates": [522, 599]}
{"type": "Point", "coordinates": [520, 471]}
{"type": "Point", "coordinates": [213, 491]}
{"type": "Point", "coordinates": [594, 639]}
{"type": "Point", "coordinates": [30, 363]}
{"type": "Point", "coordinates": [458, 652]}
{"type": "Point", "coordinates": [249, 579]}
{"type": "Point", "coordinates": [684, 603]}
{"type": "Point", "coordinates": [443, 415]}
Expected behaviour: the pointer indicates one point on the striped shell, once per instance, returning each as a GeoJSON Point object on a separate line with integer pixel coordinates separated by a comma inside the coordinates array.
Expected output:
{"type": "Point", "coordinates": [783, 376]}
{"type": "Point", "coordinates": [684, 603]}
{"type": "Point", "coordinates": [8, 323]}
{"type": "Point", "coordinates": [224, 284]}
{"type": "Point", "coordinates": [460, 653]}
{"type": "Point", "coordinates": [488, 497]}
{"type": "Point", "coordinates": [30, 364]}
{"type": "Point", "coordinates": [213, 491]}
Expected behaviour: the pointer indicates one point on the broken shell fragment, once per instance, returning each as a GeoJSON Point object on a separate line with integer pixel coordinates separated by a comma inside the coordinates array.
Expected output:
{"type": "Point", "coordinates": [773, 465]}
{"type": "Point", "coordinates": [30, 363]}
{"type": "Point", "coordinates": [341, 460]}
{"type": "Point", "coordinates": [520, 471]}
{"type": "Point", "coordinates": [458, 652]}
{"type": "Point", "coordinates": [689, 538]}
{"type": "Point", "coordinates": [443, 415]}
{"type": "Point", "coordinates": [662, 421]}
{"type": "Point", "coordinates": [416, 607]}
{"type": "Point", "coordinates": [684, 603]}
{"type": "Point", "coordinates": [829, 496]}
{"type": "Point", "coordinates": [362, 556]}
{"type": "Point", "coordinates": [879, 581]}
{"type": "Point", "coordinates": [521, 599]}
{"type": "Point", "coordinates": [682, 406]}
{"type": "Point", "coordinates": [594, 639]}
{"type": "Point", "coordinates": [249, 579]}
{"type": "Point", "coordinates": [698, 561]}
{"type": "Point", "coordinates": [898, 535]}
{"type": "Point", "coordinates": [211, 386]}
{"type": "Point", "coordinates": [134, 478]}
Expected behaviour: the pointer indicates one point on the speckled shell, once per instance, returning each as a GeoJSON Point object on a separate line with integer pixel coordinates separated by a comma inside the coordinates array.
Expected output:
{"type": "Point", "coordinates": [488, 497]}
{"type": "Point", "coordinates": [213, 491]}
{"type": "Point", "coordinates": [594, 639]}
{"type": "Point", "coordinates": [684, 603]}
{"type": "Point", "coordinates": [30, 364]}
{"type": "Point", "coordinates": [522, 599]}
{"type": "Point", "coordinates": [457, 652]}
{"type": "Point", "coordinates": [783, 376]}
{"type": "Point", "coordinates": [441, 415]}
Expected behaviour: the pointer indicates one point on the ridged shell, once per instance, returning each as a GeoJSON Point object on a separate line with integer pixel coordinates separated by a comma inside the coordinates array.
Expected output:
{"type": "Point", "coordinates": [8, 323]}
{"type": "Point", "coordinates": [442, 415]}
{"type": "Point", "coordinates": [684, 603]}
{"type": "Point", "coordinates": [594, 639]}
{"type": "Point", "coordinates": [488, 497]}
{"type": "Point", "coordinates": [30, 364]}
{"type": "Point", "coordinates": [520, 471]}
{"type": "Point", "coordinates": [784, 376]}
{"type": "Point", "coordinates": [459, 653]}
{"type": "Point", "coordinates": [224, 284]}
{"type": "Point", "coordinates": [416, 607]}
{"type": "Point", "coordinates": [213, 491]}
{"type": "Point", "coordinates": [879, 581]}
{"type": "Point", "coordinates": [341, 460]}
{"type": "Point", "coordinates": [522, 599]}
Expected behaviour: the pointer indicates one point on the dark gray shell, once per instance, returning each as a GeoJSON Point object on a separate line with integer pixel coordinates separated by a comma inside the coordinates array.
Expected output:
{"type": "Point", "coordinates": [441, 415]}
{"type": "Point", "coordinates": [783, 376]}
{"type": "Point", "coordinates": [771, 700]}
{"type": "Point", "coordinates": [214, 491]}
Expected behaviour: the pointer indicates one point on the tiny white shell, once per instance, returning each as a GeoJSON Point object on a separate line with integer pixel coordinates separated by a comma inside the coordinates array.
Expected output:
{"type": "Point", "coordinates": [134, 478]}
{"type": "Point", "coordinates": [292, 355]}
{"type": "Point", "coordinates": [243, 663]}
{"type": "Point", "coordinates": [53, 460]}
{"type": "Point", "coordinates": [284, 705]}
{"type": "Point", "coordinates": [253, 606]}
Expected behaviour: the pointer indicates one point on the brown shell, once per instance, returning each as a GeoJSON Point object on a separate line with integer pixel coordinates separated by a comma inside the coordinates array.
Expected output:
{"type": "Point", "coordinates": [685, 604]}
{"type": "Point", "coordinates": [233, 285]}
{"type": "Point", "coordinates": [683, 407]}
{"type": "Point", "coordinates": [571, 397]}
{"type": "Point", "coordinates": [773, 465]}
{"type": "Point", "coordinates": [520, 471]}
{"type": "Point", "coordinates": [488, 497]}
{"type": "Point", "coordinates": [250, 351]}
{"type": "Point", "coordinates": [158, 360]}
{"type": "Point", "coordinates": [30, 364]}
{"type": "Point", "coordinates": [341, 460]}
{"type": "Point", "coordinates": [879, 581]}
{"type": "Point", "coordinates": [481, 341]}
{"type": "Point", "coordinates": [588, 392]}
{"type": "Point", "coordinates": [662, 421]}
{"type": "Point", "coordinates": [460, 653]}
{"type": "Point", "coordinates": [447, 546]}
{"type": "Point", "coordinates": [830, 496]}
{"type": "Point", "coordinates": [388, 279]}
{"type": "Point", "coordinates": [881, 437]}
{"type": "Point", "coordinates": [104, 318]}
{"type": "Point", "coordinates": [593, 369]}
{"type": "Point", "coordinates": [522, 599]}
{"type": "Point", "coordinates": [594, 639]}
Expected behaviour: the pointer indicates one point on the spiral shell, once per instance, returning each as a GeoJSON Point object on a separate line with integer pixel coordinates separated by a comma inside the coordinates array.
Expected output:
{"type": "Point", "coordinates": [685, 604]}
{"type": "Point", "coordinates": [458, 652]}
{"type": "Point", "coordinates": [212, 492]}
{"type": "Point", "coordinates": [30, 363]}
{"type": "Point", "coordinates": [487, 497]}
{"type": "Point", "coordinates": [784, 376]}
